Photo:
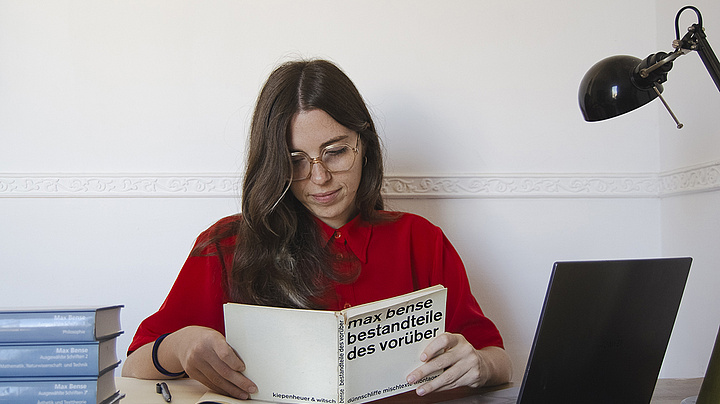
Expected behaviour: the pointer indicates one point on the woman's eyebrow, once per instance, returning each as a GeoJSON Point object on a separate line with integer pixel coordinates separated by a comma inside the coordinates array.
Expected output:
{"type": "Point", "coordinates": [334, 140]}
{"type": "Point", "coordinates": [327, 143]}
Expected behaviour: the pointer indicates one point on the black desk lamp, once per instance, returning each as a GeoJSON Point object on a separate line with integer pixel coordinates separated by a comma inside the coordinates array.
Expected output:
{"type": "Point", "coordinates": [620, 84]}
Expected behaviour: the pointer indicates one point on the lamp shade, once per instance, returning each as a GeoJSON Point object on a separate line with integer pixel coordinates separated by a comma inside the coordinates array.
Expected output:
{"type": "Point", "coordinates": [609, 89]}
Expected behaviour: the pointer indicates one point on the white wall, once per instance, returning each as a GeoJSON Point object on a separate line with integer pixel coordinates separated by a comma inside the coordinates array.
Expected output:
{"type": "Point", "coordinates": [121, 123]}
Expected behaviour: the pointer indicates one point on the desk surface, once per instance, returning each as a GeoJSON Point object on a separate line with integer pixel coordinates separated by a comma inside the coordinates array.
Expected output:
{"type": "Point", "coordinates": [188, 391]}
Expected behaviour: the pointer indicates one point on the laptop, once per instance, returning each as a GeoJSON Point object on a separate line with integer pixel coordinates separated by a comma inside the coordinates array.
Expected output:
{"type": "Point", "coordinates": [602, 334]}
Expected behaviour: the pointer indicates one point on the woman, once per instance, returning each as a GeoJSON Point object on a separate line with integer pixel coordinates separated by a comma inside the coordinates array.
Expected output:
{"type": "Point", "coordinates": [326, 244]}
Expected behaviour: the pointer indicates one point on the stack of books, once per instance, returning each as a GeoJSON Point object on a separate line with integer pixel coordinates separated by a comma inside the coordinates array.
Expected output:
{"type": "Point", "coordinates": [59, 355]}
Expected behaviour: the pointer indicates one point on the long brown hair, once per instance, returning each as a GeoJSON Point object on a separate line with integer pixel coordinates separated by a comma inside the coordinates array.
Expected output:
{"type": "Point", "coordinates": [279, 259]}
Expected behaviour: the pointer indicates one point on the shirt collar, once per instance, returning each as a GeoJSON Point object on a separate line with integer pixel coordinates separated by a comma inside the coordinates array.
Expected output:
{"type": "Point", "coordinates": [356, 232]}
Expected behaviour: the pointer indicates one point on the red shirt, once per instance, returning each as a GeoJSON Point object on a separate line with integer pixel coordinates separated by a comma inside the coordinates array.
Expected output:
{"type": "Point", "coordinates": [396, 257]}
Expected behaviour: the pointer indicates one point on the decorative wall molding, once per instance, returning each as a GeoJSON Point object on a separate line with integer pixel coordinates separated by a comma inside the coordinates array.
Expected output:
{"type": "Point", "coordinates": [524, 186]}
{"type": "Point", "coordinates": [119, 186]}
{"type": "Point", "coordinates": [702, 178]}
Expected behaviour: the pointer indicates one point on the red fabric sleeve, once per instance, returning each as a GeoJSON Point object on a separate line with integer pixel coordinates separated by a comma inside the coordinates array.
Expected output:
{"type": "Point", "coordinates": [196, 298]}
{"type": "Point", "coordinates": [436, 257]}
{"type": "Point", "coordinates": [464, 313]}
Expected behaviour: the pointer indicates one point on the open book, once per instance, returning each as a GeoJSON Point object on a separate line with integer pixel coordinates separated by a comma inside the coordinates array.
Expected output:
{"type": "Point", "coordinates": [359, 354]}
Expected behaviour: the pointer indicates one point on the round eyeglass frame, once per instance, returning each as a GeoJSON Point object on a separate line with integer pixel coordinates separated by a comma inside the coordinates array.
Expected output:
{"type": "Point", "coordinates": [318, 160]}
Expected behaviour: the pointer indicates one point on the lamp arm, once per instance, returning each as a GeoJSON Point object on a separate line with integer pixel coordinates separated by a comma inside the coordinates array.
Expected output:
{"type": "Point", "coordinates": [677, 19]}
{"type": "Point", "coordinates": [695, 40]}
{"type": "Point", "coordinates": [707, 55]}
{"type": "Point", "coordinates": [644, 73]}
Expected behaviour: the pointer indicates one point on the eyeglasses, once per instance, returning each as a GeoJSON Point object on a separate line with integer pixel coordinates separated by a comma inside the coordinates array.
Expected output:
{"type": "Point", "coordinates": [335, 158]}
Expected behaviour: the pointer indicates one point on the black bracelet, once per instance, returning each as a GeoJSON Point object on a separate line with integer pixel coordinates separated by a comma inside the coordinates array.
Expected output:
{"type": "Point", "coordinates": [159, 368]}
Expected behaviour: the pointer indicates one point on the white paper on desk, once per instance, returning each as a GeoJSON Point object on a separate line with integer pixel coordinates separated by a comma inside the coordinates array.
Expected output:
{"type": "Point", "coordinates": [215, 398]}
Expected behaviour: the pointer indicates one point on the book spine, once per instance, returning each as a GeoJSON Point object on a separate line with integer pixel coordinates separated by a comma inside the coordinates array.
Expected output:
{"type": "Point", "coordinates": [81, 359]}
{"type": "Point", "coordinates": [48, 391]}
{"type": "Point", "coordinates": [63, 390]}
{"type": "Point", "coordinates": [341, 357]}
{"type": "Point", "coordinates": [71, 326]}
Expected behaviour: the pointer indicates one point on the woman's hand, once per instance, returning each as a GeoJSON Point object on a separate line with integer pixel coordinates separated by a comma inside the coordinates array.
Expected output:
{"type": "Point", "coordinates": [463, 364]}
{"type": "Point", "coordinates": [202, 353]}
{"type": "Point", "coordinates": [205, 356]}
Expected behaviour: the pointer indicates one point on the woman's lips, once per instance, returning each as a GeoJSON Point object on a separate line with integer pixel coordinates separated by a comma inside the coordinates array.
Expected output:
{"type": "Point", "coordinates": [325, 198]}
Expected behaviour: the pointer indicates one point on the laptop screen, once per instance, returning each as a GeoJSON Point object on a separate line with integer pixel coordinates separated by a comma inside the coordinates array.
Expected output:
{"type": "Point", "coordinates": [603, 331]}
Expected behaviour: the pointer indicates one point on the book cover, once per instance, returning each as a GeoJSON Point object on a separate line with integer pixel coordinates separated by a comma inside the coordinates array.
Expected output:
{"type": "Point", "coordinates": [59, 324]}
{"type": "Point", "coordinates": [58, 359]}
{"type": "Point", "coordinates": [76, 390]}
{"type": "Point", "coordinates": [355, 355]}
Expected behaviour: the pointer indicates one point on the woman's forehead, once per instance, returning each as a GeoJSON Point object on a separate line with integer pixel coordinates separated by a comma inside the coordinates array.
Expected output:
{"type": "Point", "coordinates": [316, 129]}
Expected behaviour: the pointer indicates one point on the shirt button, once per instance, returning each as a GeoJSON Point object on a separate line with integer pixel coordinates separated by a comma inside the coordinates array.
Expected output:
{"type": "Point", "coordinates": [338, 234]}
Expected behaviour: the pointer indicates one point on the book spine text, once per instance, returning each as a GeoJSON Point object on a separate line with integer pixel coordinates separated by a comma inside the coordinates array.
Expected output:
{"type": "Point", "coordinates": [341, 358]}
{"type": "Point", "coordinates": [82, 359]}
{"type": "Point", "coordinates": [47, 326]}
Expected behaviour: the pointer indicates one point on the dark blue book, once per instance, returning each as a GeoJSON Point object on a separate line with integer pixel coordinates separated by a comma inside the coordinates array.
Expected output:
{"type": "Point", "coordinates": [79, 390]}
{"type": "Point", "coordinates": [59, 324]}
{"type": "Point", "coordinates": [58, 359]}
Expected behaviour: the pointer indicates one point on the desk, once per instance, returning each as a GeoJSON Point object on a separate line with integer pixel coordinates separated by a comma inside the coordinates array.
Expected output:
{"type": "Point", "coordinates": [186, 391]}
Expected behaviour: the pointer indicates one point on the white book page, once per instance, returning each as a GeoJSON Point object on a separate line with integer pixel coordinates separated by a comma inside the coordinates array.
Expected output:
{"type": "Point", "coordinates": [211, 397]}
{"type": "Point", "coordinates": [292, 355]}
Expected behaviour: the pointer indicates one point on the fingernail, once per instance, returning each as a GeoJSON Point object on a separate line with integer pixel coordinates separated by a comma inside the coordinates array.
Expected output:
{"type": "Point", "coordinates": [252, 390]}
{"type": "Point", "coordinates": [423, 357]}
{"type": "Point", "coordinates": [411, 379]}
{"type": "Point", "coordinates": [420, 391]}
